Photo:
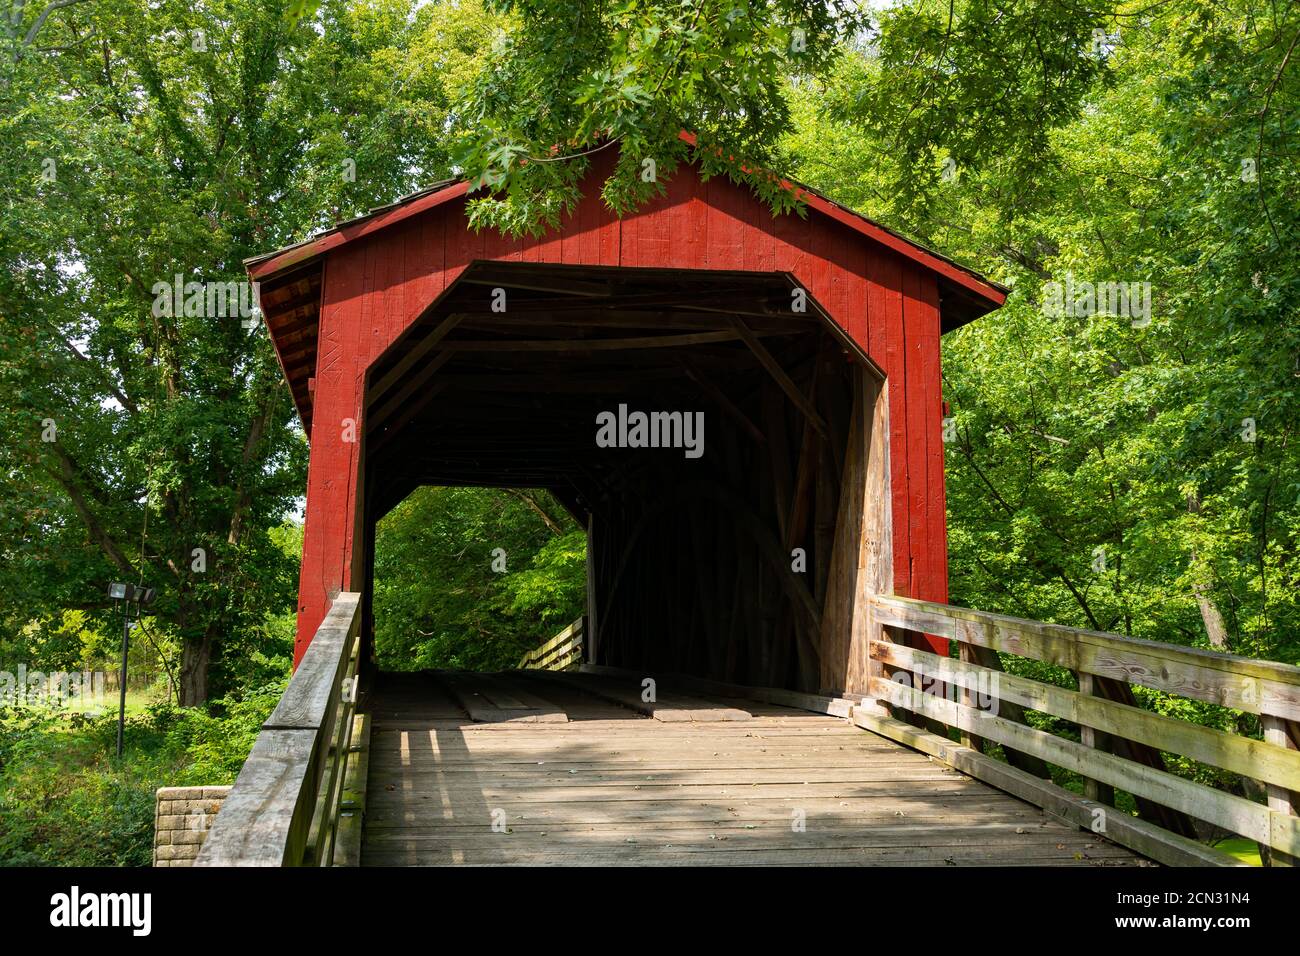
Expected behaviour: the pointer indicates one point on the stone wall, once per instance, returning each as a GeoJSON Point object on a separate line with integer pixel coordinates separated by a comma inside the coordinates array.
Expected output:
{"type": "Point", "coordinates": [182, 818]}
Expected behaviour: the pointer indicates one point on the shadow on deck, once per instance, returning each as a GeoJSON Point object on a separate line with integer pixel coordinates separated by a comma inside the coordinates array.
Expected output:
{"type": "Point", "coordinates": [565, 769]}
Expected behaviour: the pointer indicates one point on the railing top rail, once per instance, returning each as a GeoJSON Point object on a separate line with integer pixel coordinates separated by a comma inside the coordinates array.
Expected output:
{"type": "Point", "coordinates": [1216, 660]}
{"type": "Point", "coordinates": [266, 817]}
{"type": "Point", "coordinates": [306, 700]}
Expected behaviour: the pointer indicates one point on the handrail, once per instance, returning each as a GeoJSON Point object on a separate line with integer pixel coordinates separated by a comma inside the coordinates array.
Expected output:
{"type": "Point", "coordinates": [561, 652]}
{"type": "Point", "coordinates": [283, 808]}
{"type": "Point", "coordinates": [962, 694]}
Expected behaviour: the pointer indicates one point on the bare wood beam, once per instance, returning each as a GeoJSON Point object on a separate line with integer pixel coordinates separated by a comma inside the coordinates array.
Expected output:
{"type": "Point", "coordinates": [591, 345]}
{"type": "Point", "coordinates": [778, 374]}
{"type": "Point", "coordinates": [414, 410]}
{"type": "Point", "coordinates": [725, 403]}
{"type": "Point", "coordinates": [571, 287]}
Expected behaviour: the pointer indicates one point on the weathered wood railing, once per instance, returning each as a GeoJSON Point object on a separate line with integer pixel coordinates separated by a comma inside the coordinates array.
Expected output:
{"type": "Point", "coordinates": [958, 693]}
{"type": "Point", "coordinates": [286, 805]}
{"type": "Point", "coordinates": [560, 653]}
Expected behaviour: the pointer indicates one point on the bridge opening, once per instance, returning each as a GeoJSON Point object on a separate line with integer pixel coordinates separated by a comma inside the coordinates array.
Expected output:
{"type": "Point", "coordinates": [717, 436]}
{"type": "Point", "coordinates": [472, 579]}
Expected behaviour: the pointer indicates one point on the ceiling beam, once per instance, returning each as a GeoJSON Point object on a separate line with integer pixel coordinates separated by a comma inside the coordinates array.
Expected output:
{"type": "Point", "coordinates": [778, 374]}
{"type": "Point", "coordinates": [407, 362]}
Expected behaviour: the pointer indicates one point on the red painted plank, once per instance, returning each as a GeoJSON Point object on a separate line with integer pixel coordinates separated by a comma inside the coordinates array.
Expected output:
{"type": "Point", "coordinates": [462, 244]}
{"type": "Point", "coordinates": [428, 267]}
{"type": "Point", "coordinates": [874, 306]}
{"type": "Point", "coordinates": [917, 506]}
{"type": "Point", "coordinates": [922, 338]}
{"type": "Point", "coordinates": [387, 307]}
{"type": "Point", "coordinates": [332, 471]}
{"type": "Point", "coordinates": [725, 243]}
{"type": "Point", "coordinates": [855, 294]}
{"type": "Point", "coordinates": [759, 235]}
{"type": "Point", "coordinates": [694, 235]}
{"type": "Point", "coordinates": [937, 541]}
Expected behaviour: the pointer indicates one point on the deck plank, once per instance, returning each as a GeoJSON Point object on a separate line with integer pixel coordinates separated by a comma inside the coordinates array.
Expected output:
{"type": "Point", "coordinates": [612, 786]}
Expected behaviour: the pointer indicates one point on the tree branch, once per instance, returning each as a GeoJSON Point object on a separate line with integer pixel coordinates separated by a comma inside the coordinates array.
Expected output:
{"type": "Point", "coordinates": [529, 500]}
{"type": "Point", "coordinates": [66, 476]}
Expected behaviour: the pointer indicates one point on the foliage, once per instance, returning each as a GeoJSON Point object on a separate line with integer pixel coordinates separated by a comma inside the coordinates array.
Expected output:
{"type": "Point", "coordinates": [144, 141]}
{"type": "Point", "coordinates": [1100, 474]}
{"type": "Point", "coordinates": [472, 578]}
{"type": "Point", "coordinates": [65, 798]}
{"type": "Point", "coordinates": [568, 82]}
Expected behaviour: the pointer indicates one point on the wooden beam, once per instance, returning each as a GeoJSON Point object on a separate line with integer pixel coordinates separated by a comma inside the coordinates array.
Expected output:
{"type": "Point", "coordinates": [590, 345]}
{"type": "Point", "coordinates": [417, 381]}
{"type": "Point", "coordinates": [1263, 760]}
{"type": "Point", "coordinates": [778, 373]}
{"type": "Point", "coordinates": [413, 411]}
{"type": "Point", "coordinates": [523, 280]}
{"type": "Point", "coordinates": [721, 399]}
{"type": "Point", "coordinates": [407, 362]}
{"type": "Point", "coordinates": [1273, 688]}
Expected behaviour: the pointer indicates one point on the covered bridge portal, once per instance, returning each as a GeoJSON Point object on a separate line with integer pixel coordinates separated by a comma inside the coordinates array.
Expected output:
{"type": "Point", "coordinates": [780, 571]}
{"type": "Point", "coordinates": [420, 351]}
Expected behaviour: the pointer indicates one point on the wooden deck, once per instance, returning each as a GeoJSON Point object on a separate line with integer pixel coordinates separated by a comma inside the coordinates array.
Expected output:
{"type": "Point", "coordinates": [562, 769]}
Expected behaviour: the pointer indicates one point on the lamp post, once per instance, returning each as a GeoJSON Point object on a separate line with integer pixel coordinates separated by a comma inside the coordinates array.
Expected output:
{"type": "Point", "coordinates": [126, 593]}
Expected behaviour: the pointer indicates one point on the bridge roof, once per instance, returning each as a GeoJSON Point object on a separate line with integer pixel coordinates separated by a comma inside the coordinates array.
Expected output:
{"type": "Point", "coordinates": [290, 278]}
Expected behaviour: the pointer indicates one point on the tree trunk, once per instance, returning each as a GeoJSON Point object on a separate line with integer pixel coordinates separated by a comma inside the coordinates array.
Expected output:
{"type": "Point", "coordinates": [195, 658]}
{"type": "Point", "coordinates": [1211, 617]}
{"type": "Point", "coordinates": [1215, 629]}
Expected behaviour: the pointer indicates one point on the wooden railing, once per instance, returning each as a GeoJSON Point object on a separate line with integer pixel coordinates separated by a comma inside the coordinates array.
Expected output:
{"type": "Point", "coordinates": [561, 653]}
{"type": "Point", "coordinates": [289, 806]}
{"type": "Point", "coordinates": [1120, 742]}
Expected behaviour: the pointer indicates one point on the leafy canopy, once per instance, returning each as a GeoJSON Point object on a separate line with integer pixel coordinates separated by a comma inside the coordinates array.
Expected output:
{"type": "Point", "coordinates": [567, 82]}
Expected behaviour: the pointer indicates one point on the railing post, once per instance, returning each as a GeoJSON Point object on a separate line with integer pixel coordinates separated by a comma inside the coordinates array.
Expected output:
{"type": "Point", "coordinates": [1280, 799]}
{"type": "Point", "coordinates": [968, 697]}
{"type": "Point", "coordinates": [1094, 790]}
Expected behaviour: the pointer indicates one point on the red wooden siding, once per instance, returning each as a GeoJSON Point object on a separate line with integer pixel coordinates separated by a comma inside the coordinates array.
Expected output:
{"type": "Point", "coordinates": [376, 286]}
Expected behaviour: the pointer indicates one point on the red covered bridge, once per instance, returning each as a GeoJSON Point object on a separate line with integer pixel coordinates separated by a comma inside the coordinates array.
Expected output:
{"type": "Point", "coordinates": [766, 563]}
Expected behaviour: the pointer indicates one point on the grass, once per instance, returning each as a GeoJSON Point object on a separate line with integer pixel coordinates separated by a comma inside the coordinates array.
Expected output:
{"type": "Point", "coordinates": [1247, 851]}
{"type": "Point", "coordinates": [67, 799]}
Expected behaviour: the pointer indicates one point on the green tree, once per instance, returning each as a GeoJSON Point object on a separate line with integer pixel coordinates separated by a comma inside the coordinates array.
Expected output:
{"type": "Point", "coordinates": [471, 578]}
{"type": "Point", "coordinates": [145, 141]}
{"type": "Point", "coordinates": [569, 81]}
{"type": "Point", "coordinates": [1105, 470]}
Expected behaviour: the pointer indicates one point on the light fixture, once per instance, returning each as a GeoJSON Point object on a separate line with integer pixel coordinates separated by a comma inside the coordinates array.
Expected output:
{"type": "Point", "coordinates": [143, 596]}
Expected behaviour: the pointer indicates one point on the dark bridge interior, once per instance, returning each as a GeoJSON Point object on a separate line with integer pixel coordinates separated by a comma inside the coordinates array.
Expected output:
{"type": "Point", "coordinates": [693, 566]}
